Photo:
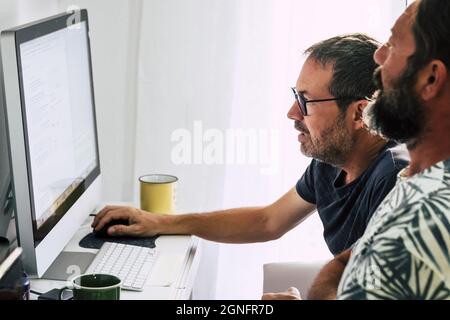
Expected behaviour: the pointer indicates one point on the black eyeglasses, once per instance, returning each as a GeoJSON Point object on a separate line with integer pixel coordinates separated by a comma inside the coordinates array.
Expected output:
{"type": "Point", "coordinates": [302, 101]}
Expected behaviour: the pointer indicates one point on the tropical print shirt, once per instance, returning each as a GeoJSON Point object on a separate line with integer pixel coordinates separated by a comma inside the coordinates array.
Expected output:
{"type": "Point", "coordinates": [404, 253]}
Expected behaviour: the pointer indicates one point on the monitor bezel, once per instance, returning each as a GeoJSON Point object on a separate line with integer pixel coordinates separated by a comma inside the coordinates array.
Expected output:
{"type": "Point", "coordinates": [6, 201]}
{"type": "Point", "coordinates": [23, 35]}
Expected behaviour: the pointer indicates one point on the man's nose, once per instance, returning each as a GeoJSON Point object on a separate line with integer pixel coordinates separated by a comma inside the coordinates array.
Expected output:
{"type": "Point", "coordinates": [294, 112]}
{"type": "Point", "coordinates": [380, 55]}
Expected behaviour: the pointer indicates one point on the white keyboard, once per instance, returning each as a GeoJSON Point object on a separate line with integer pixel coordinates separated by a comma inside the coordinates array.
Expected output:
{"type": "Point", "coordinates": [132, 264]}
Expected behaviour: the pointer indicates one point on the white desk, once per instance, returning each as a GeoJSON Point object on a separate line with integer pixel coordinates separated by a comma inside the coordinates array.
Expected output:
{"type": "Point", "coordinates": [172, 276]}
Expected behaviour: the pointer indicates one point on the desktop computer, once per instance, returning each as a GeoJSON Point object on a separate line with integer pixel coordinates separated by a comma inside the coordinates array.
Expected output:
{"type": "Point", "coordinates": [55, 180]}
{"type": "Point", "coordinates": [54, 160]}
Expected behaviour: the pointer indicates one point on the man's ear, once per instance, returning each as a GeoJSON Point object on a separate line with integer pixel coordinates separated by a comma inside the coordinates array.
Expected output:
{"type": "Point", "coordinates": [357, 113]}
{"type": "Point", "coordinates": [431, 80]}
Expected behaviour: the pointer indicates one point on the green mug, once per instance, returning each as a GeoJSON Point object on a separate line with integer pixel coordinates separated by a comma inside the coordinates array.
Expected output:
{"type": "Point", "coordinates": [94, 287]}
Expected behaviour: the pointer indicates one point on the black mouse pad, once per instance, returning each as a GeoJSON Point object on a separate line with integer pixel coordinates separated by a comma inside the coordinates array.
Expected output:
{"type": "Point", "coordinates": [90, 241]}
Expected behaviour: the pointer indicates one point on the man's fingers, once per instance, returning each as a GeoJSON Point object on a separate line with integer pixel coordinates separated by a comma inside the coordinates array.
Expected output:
{"type": "Point", "coordinates": [112, 214]}
{"type": "Point", "coordinates": [102, 213]}
{"type": "Point", "coordinates": [121, 230]}
{"type": "Point", "coordinates": [294, 291]}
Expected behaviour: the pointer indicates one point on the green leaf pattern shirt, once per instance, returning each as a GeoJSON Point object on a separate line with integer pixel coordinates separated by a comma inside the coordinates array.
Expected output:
{"type": "Point", "coordinates": [404, 252]}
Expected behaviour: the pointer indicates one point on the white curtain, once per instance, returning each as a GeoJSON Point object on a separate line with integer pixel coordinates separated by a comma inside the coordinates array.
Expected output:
{"type": "Point", "coordinates": [272, 37]}
{"type": "Point", "coordinates": [215, 64]}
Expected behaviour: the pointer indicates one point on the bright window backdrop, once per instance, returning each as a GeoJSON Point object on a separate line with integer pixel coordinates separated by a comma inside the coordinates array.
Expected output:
{"type": "Point", "coordinates": [160, 65]}
{"type": "Point", "coordinates": [230, 64]}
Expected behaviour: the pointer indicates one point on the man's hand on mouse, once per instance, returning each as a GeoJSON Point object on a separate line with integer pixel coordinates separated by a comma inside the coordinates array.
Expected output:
{"type": "Point", "coordinates": [141, 224]}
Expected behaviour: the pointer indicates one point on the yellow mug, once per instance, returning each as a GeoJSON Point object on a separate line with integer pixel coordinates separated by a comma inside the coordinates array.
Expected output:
{"type": "Point", "coordinates": [157, 193]}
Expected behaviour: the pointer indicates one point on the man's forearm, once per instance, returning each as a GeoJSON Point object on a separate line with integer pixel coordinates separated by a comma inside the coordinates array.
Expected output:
{"type": "Point", "coordinates": [325, 285]}
{"type": "Point", "coordinates": [240, 225]}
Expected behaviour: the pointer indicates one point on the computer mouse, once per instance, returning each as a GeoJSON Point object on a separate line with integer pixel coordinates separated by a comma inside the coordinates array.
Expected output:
{"type": "Point", "coordinates": [103, 232]}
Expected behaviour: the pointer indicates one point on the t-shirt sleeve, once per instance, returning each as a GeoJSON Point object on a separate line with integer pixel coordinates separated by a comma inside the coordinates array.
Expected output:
{"type": "Point", "coordinates": [305, 186]}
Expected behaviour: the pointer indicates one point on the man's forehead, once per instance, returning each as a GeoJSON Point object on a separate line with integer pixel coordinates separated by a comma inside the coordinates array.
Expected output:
{"type": "Point", "coordinates": [314, 76]}
{"type": "Point", "coordinates": [405, 21]}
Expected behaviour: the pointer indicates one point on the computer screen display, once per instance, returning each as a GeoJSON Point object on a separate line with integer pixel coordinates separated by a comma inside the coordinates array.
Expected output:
{"type": "Point", "coordinates": [58, 108]}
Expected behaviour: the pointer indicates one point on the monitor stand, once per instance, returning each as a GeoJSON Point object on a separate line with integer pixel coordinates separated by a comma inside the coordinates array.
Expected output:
{"type": "Point", "coordinates": [69, 265]}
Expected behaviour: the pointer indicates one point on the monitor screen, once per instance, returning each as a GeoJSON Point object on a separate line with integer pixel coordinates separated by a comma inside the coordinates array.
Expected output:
{"type": "Point", "coordinates": [59, 119]}
{"type": "Point", "coordinates": [51, 125]}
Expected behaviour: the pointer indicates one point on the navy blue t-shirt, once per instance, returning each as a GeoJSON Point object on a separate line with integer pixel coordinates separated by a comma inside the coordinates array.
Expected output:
{"type": "Point", "coordinates": [345, 210]}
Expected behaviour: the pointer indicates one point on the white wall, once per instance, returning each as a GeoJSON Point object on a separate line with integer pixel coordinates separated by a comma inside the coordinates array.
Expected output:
{"type": "Point", "coordinates": [15, 12]}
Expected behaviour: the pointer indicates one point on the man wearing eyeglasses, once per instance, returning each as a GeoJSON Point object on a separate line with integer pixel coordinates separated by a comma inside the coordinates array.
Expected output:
{"type": "Point", "coordinates": [352, 170]}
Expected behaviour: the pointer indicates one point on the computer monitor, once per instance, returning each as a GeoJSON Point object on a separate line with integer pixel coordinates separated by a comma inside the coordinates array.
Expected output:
{"type": "Point", "coordinates": [50, 111]}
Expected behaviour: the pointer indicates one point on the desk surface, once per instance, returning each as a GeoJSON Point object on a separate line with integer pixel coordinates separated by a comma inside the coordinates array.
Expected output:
{"type": "Point", "coordinates": [172, 276]}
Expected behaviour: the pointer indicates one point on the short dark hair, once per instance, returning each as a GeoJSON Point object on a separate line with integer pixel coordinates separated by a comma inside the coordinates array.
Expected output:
{"type": "Point", "coordinates": [353, 65]}
{"type": "Point", "coordinates": [431, 31]}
